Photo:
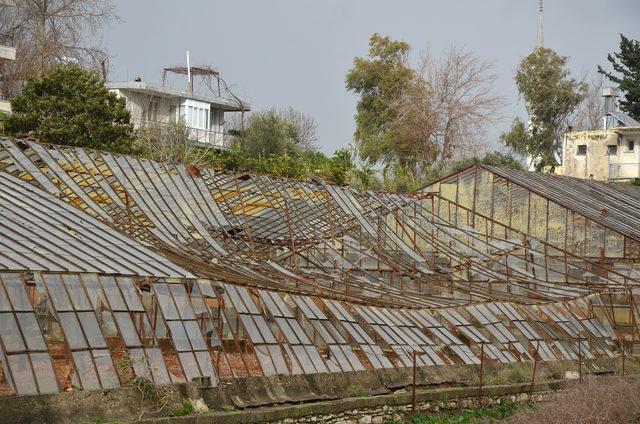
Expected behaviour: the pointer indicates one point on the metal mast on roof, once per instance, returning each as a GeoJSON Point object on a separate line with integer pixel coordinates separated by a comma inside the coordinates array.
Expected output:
{"type": "Point", "coordinates": [189, 82]}
{"type": "Point", "coordinates": [209, 77]}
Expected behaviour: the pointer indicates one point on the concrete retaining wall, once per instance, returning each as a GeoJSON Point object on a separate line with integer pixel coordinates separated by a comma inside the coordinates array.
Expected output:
{"type": "Point", "coordinates": [274, 399]}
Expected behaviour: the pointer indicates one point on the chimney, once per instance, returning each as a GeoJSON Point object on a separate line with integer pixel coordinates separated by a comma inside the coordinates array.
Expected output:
{"type": "Point", "coordinates": [610, 95]}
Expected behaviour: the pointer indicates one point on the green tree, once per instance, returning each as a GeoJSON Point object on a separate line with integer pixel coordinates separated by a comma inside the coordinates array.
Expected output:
{"type": "Point", "coordinates": [70, 105]}
{"type": "Point", "coordinates": [269, 133]}
{"type": "Point", "coordinates": [551, 95]}
{"type": "Point", "coordinates": [333, 169]}
{"type": "Point", "coordinates": [281, 143]}
{"type": "Point", "coordinates": [627, 64]}
{"type": "Point", "coordinates": [379, 81]}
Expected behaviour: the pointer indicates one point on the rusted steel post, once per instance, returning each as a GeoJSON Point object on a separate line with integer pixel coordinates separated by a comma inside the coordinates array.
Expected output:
{"type": "Point", "coordinates": [413, 393]}
{"type": "Point", "coordinates": [535, 365]}
{"type": "Point", "coordinates": [623, 357]}
{"type": "Point", "coordinates": [579, 358]}
{"type": "Point", "coordinates": [481, 372]}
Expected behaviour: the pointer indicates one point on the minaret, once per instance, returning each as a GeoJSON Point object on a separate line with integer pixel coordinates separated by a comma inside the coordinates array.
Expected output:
{"type": "Point", "coordinates": [539, 40]}
{"type": "Point", "coordinates": [531, 161]}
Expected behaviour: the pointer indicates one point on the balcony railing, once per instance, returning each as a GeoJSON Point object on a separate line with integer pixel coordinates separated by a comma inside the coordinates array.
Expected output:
{"type": "Point", "coordinates": [215, 138]}
{"type": "Point", "coordinates": [624, 171]}
{"type": "Point", "coordinates": [197, 135]}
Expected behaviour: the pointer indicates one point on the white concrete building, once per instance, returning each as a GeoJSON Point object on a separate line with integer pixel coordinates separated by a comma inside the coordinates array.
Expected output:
{"type": "Point", "coordinates": [6, 53]}
{"type": "Point", "coordinates": [203, 114]}
{"type": "Point", "coordinates": [612, 153]}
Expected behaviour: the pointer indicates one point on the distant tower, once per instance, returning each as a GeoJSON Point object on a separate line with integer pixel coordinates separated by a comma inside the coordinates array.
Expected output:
{"type": "Point", "coordinates": [539, 39]}
{"type": "Point", "coordinates": [531, 161]}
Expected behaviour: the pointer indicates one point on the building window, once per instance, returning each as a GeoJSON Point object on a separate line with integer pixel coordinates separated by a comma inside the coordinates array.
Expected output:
{"type": "Point", "coordinates": [631, 145]}
{"type": "Point", "coordinates": [582, 150]}
{"type": "Point", "coordinates": [198, 117]}
{"type": "Point", "coordinates": [612, 149]}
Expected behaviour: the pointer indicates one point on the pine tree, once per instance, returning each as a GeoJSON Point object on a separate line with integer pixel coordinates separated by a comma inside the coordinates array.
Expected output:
{"type": "Point", "coordinates": [626, 63]}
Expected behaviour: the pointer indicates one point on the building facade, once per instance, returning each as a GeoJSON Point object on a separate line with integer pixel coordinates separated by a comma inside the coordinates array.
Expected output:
{"type": "Point", "coordinates": [611, 153]}
{"type": "Point", "coordinates": [6, 53]}
{"type": "Point", "coordinates": [157, 105]}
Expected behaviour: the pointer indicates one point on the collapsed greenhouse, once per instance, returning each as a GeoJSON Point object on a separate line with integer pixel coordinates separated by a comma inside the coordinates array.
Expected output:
{"type": "Point", "coordinates": [115, 267]}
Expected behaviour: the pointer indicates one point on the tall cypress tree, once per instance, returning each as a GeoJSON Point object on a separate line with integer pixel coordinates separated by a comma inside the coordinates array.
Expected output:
{"type": "Point", "coordinates": [626, 65]}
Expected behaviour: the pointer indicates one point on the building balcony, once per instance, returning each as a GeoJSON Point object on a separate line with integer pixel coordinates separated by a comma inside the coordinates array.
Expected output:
{"type": "Point", "coordinates": [624, 171]}
{"type": "Point", "coordinates": [200, 137]}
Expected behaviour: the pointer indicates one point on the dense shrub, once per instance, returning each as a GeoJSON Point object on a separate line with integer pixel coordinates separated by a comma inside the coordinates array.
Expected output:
{"type": "Point", "coordinates": [596, 400]}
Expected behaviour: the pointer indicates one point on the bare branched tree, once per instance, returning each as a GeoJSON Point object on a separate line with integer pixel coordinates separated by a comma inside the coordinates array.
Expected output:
{"type": "Point", "coordinates": [51, 32]}
{"type": "Point", "coordinates": [169, 142]}
{"type": "Point", "coordinates": [589, 114]}
{"type": "Point", "coordinates": [451, 105]}
{"type": "Point", "coordinates": [306, 126]}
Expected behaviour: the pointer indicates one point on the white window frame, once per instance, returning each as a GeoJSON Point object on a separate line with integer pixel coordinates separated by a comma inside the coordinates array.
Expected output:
{"type": "Point", "coordinates": [196, 114]}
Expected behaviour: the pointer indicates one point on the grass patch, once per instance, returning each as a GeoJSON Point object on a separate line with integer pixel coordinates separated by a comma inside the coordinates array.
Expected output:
{"type": "Point", "coordinates": [468, 416]}
{"type": "Point", "coordinates": [185, 409]}
{"type": "Point", "coordinates": [358, 391]}
{"type": "Point", "coordinates": [515, 374]}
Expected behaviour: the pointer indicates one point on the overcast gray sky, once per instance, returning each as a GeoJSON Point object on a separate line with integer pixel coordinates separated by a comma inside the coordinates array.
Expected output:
{"type": "Point", "coordinates": [296, 52]}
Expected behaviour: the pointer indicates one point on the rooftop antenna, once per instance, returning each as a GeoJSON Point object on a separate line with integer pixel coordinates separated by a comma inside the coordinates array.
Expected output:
{"type": "Point", "coordinates": [189, 82]}
{"type": "Point", "coordinates": [539, 39]}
